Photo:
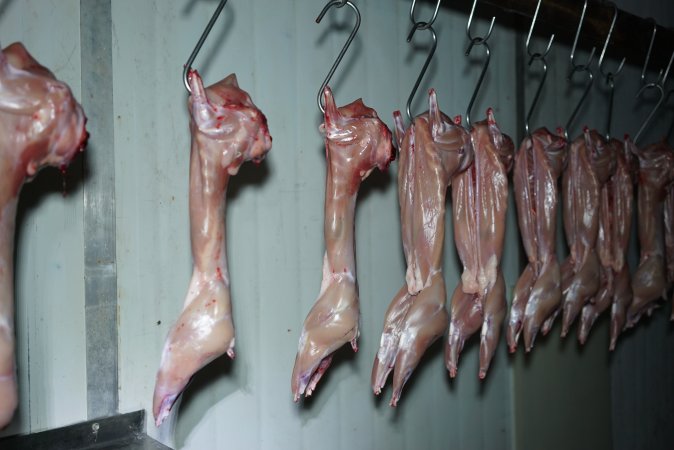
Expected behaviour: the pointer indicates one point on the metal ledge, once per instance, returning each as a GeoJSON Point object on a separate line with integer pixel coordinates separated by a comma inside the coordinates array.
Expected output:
{"type": "Point", "coordinates": [124, 431]}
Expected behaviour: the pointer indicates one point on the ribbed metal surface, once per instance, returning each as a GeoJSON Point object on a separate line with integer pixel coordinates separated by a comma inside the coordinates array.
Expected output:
{"type": "Point", "coordinates": [100, 264]}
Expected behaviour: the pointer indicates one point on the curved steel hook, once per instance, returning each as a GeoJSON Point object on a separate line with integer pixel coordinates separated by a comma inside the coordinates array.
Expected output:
{"type": "Point", "coordinates": [579, 68]}
{"type": "Point", "coordinates": [477, 40]}
{"type": "Point", "coordinates": [536, 56]}
{"type": "Point", "coordinates": [611, 90]}
{"type": "Point", "coordinates": [575, 44]}
{"type": "Point", "coordinates": [603, 51]}
{"type": "Point", "coordinates": [338, 4]}
{"type": "Point", "coordinates": [420, 26]}
{"type": "Point", "coordinates": [479, 81]}
{"type": "Point", "coordinates": [659, 85]}
{"type": "Point", "coordinates": [537, 95]}
{"type": "Point", "coordinates": [648, 53]}
{"type": "Point", "coordinates": [200, 43]}
{"type": "Point", "coordinates": [610, 76]}
{"type": "Point", "coordinates": [653, 111]}
{"type": "Point", "coordinates": [588, 86]}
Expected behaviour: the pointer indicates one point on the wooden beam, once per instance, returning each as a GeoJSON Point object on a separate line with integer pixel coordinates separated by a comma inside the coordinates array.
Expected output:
{"type": "Point", "coordinates": [631, 35]}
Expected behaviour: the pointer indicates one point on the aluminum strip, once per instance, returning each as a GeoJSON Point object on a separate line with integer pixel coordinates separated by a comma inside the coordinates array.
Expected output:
{"type": "Point", "coordinates": [100, 271]}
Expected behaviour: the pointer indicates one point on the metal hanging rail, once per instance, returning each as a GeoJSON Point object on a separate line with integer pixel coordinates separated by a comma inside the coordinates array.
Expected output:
{"type": "Point", "coordinates": [630, 38]}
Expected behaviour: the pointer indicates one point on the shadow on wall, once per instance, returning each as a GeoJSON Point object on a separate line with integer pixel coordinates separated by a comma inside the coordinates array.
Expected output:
{"type": "Point", "coordinates": [208, 387]}
{"type": "Point", "coordinates": [378, 181]}
{"type": "Point", "coordinates": [50, 181]}
{"type": "Point", "coordinates": [4, 4]}
{"type": "Point", "coordinates": [250, 175]}
{"type": "Point", "coordinates": [311, 407]}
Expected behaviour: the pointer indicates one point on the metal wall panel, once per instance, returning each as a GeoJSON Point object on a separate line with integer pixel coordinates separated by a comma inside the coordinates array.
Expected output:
{"type": "Point", "coordinates": [49, 246]}
{"type": "Point", "coordinates": [275, 217]}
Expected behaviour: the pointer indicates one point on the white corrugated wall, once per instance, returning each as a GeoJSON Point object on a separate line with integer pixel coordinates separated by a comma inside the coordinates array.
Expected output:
{"type": "Point", "coordinates": [275, 246]}
{"type": "Point", "coordinates": [275, 223]}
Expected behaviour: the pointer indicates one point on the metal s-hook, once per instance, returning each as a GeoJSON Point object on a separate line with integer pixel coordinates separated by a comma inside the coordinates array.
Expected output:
{"type": "Point", "coordinates": [610, 81]}
{"type": "Point", "coordinates": [200, 43]}
{"type": "Point", "coordinates": [420, 25]}
{"type": "Point", "coordinates": [576, 67]}
{"type": "Point", "coordinates": [648, 53]}
{"type": "Point", "coordinates": [610, 76]}
{"type": "Point", "coordinates": [660, 86]}
{"type": "Point", "coordinates": [338, 4]}
{"type": "Point", "coordinates": [536, 56]}
{"type": "Point", "coordinates": [423, 25]}
{"type": "Point", "coordinates": [477, 40]}
{"type": "Point", "coordinates": [579, 68]}
{"type": "Point", "coordinates": [588, 86]}
{"type": "Point", "coordinates": [603, 51]}
{"type": "Point", "coordinates": [434, 45]}
{"type": "Point", "coordinates": [653, 111]}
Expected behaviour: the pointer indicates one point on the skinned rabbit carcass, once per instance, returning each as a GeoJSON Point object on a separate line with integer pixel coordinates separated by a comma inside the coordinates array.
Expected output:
{"type": "Point", "coordinates": [356, 142]}
{"type": "Point", "coordinates": [538, 165]}
{"type": "Point", "coordinates": [649, 282]}
{"type": "Point", "coordinates": [479, 205]}
{"type": "Point", "coordinates": [41, 125]}
{"type": "Point", "coordinates": [590, 165]}
{"type": "Point", "coordinates": [431, 151]}
{"type": "Point", "coordinates": [227, 129]}
{"type": "Point", "coordinates": [615, 219]}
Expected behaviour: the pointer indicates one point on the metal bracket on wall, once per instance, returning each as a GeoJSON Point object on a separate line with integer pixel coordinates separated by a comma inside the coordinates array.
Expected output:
{"type": "Point", "coordinates": [123, 432]}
